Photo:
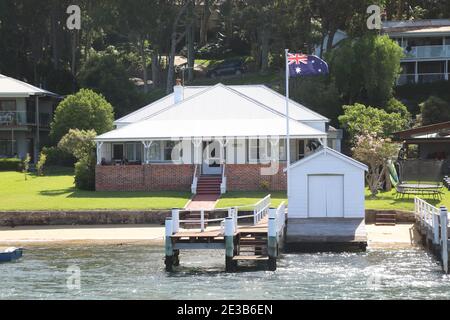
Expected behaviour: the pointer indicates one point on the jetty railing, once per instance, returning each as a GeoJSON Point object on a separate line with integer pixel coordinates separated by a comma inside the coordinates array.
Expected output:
{"type": "Point", "coordinates": [433, 226]}
{"type": "Point", "coordinates": [260, 210]}
{"type": "Point", "coordinates": [275, 233]}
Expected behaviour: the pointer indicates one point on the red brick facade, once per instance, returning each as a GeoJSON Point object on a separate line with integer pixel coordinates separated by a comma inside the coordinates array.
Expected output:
{"type": "Point", "coordinates": [248, 177]}
{"type": "Point", "coordinates": [152, 177]}
{"type": "Point", "coordinates": [178, 177]}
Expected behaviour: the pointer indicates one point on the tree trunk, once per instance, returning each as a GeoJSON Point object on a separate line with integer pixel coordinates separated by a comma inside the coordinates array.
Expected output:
{"type": "Point", "coordinates": [155, 68]}
{"type": "Point", "coordinates": [144, 63]}
{"type": "Point", "coordinates": [265, 41]}
{"type": "Point", "coordinates": [54, 37]}
{"type": "Point", "coordinates": [205, 23]}
{"type": "Point", "coordinates": [331, 35]}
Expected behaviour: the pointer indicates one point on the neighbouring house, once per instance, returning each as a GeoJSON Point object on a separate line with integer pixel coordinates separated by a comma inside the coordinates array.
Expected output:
{"type": "Point", "coordinates": [25, 115]}
{"type": "Point", "coordinates": [209, 140]}
{"type": "Point", "coordinates": [430, 142]}
{"type": "Point", "coordinates": [426, 45]}
{"type": "Point", "coordinates": [327, 184]}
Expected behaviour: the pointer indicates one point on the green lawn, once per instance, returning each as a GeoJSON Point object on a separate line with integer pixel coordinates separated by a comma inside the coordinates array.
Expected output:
{"type": "Point", "coordinates": [56, 191]}
{"type": "Point", "coordinates": [238, 199]}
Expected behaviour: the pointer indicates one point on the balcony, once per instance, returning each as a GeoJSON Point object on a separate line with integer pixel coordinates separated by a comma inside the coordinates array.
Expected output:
{"type": "Point", "coordinates": [421, 78]}
{"type": "Point", "coordinates": [23, 118]}
{"type": "Point", "coordinates": [427, 52]}
{"type": "Point", "coordinates": [13, 118]}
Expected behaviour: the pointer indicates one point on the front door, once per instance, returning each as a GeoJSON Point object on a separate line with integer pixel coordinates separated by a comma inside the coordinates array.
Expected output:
{"type": "Point", "coordinates": [211, 158]}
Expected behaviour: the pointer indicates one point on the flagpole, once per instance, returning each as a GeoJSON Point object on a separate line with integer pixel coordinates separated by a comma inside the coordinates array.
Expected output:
{"type": "Point", "coordinates": [288, 144]}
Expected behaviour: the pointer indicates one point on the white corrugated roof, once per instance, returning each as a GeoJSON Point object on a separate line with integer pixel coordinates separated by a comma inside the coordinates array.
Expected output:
{"type": "Point", "coordinates": [195, 128]}
{"type": "Point", "coordinates": [10, 88]}
{"type": "Point", "coordinates": [259, 93]}
{"type": "Point", "coordinates": [156, 106]}
{"type": "Point", "coordinates": [218, 111]}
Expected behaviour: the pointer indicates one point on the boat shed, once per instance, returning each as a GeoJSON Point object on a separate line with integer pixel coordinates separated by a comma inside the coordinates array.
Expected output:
{"type": "Point", "coordinates": [327, 184]}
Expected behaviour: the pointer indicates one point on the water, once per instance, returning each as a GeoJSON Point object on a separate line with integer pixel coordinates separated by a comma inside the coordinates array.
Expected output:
{"type": "Point", "coordinates": [137, 272]}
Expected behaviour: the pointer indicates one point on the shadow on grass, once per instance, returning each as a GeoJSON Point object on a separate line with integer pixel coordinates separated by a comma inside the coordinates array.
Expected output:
{"type": "Point", "coordinates": [73, 192]}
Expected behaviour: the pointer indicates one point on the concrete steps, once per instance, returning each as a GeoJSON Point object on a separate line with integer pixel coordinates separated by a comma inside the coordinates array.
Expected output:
{"type": "Point", "coordinates": [385, 219]}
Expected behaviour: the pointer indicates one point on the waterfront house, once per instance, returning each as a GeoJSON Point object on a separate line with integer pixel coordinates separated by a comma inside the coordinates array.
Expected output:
{"type": "Point", "coordinates": [426, 46]}
{"type": "Point", "coordinates": [25, 115]}
{"type": "Point", "coordinates": [209, 140]}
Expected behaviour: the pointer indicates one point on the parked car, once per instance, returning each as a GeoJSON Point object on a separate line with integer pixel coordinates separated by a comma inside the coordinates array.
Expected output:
{"type": "Point", "coordinates": [230, 67]}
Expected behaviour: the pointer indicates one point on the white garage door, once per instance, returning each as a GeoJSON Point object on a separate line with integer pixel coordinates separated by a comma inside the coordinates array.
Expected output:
{"type": "Point", "coordinates": [325, 196]}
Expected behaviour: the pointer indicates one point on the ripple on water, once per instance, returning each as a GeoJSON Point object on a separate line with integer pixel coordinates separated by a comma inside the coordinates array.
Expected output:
{"type": "Point", "coordinates": [137, 272]}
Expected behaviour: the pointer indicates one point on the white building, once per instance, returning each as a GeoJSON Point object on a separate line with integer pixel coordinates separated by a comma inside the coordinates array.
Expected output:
{"type": "Point", "coordinates": [25, 115]}
{"type": "Point", "coordinates": [237, 133]}
{"type": "Point", "coordinates": [327, 184]}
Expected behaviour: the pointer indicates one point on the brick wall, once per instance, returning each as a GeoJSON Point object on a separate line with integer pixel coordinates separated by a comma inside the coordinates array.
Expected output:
{"type": "Point", "coordinates": [175, 177]}
{"type": "Point", "coordinates": [153, 177]}
{"type": "Point", "coordinates": [248, 177]}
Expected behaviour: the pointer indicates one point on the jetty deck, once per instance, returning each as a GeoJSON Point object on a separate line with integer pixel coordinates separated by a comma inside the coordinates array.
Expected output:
{"type": "Point", "coordinates": [257, 237]}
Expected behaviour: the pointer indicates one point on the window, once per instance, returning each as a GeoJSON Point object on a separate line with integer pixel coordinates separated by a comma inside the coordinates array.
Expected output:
{"type": "Point", "coordinates": [117, 152]}
{"type": "Point", "coordinates": [155, 151]}
{"type": "Point", "coordinates": [133, 152]}
{"type": "Point", "coordinates": [253, 150]}
{"type": "Point", "coordinates": [301, 149]}
{"type": "Point", "coordinates": [8, 148]}
{"type": "Point", "coordinates": [173, 147]}
{"type": "Point", "coordinates": [282, 146]}
{"type": "Point", "coordinates": [7, 105]}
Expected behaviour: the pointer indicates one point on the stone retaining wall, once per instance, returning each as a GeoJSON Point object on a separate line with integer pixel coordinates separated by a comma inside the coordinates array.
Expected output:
{"type": "Point", "coordinates": [402, 216]}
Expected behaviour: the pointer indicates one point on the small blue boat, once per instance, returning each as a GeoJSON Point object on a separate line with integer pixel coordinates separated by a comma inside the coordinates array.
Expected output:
{"type": "Point", "coordinates": [10, 254]}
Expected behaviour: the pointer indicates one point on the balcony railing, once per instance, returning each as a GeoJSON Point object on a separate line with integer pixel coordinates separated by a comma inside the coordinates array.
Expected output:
{"type": "Point", "coordinates": [427, 52]}
{"type": "Point", "coordinates": [421, 78]}
{"type": "Point", "coordinates": [22, 118]}
{"type": "Point", "coordinates": [13, 118]}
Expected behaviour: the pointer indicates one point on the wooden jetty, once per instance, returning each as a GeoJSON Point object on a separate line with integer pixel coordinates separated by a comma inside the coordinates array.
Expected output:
{"type": "Point", "coordinates": [257, 237]}
{"type": "Point", "coordinates": [432, 224]}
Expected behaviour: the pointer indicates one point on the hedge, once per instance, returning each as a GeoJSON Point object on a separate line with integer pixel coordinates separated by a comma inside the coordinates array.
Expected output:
{"type": "Point", "coordinates": [10, 164]}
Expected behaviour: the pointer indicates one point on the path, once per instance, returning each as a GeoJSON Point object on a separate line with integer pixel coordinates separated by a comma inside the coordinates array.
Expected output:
{"type": "Point", "coordinates": [203, 202]}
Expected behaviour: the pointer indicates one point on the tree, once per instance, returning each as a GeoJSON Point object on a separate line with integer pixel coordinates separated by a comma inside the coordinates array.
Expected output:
{"type": "Point", "coordinates": [83, 110]}
{"type": "Point", "coordinates": [358, 119]}
{"type": "Point", "coordinates": [80, 143]}
{"type": "Point", "coordinates": [374, 151]}
{"type": "Point", "coordinates": [434, 110]}
{"type": "Point", "coordinates": [366, 69]}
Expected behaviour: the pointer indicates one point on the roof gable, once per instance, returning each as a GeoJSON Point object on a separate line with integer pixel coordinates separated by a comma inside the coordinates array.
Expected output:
{"type": "Point", "coordinates": [217, 102]}
{"type": "Point", "coordinates": [333, 153]}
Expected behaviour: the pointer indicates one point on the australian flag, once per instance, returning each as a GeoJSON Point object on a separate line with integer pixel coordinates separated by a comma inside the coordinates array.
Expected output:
{"type": "Point", "coordinates": [306, 65]}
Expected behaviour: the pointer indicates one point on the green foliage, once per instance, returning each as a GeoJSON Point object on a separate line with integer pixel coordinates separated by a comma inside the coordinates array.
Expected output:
{"type": "Point", "coordinates": [57, 157]}
{"type": "Point", "coordinates": [105, 73]}
{"type": "Point", "coordinates": [84, 110]}
{"type": "Point", "coordinates": [358, 119]}
{"type": "Point", "coordinates": [26, 165]}
{"type": "Point", "coordinates": [85, 173]}
{"type": "Point", "coordinates": [318, 95]}
{"type": "Point", "coordinates": [41, 163]}
{"type": "Point", "coordinates": [366, 69]}
{"type": "Point", "coordinates": [434, 110]}
{"type": "Point", "coordinates": [10, 164]}
{"type": "Point", "coordinates": [374, 151]}
{"type": "Point", "coordinates": [81, 144]}
{"type": "Point", "coordinates": [394, 105]}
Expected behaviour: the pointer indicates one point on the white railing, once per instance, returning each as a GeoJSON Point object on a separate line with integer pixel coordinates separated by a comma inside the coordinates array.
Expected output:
{"type": "Point", "coordinates": [194, 181]}
{"type": "Point", "coordinates": [425, 214]}
{"type": "Point", "coordinates": [410, 78]}
{"type": "Point", "coordinates": [419, 52]}
{"type": "Point", "coordinates": [223, 184]}
{"type": "Point", "coordinates": [13, 118]}
{"type": "Point", "coordinates": [280, 217]}
{"type": "Point", "coordinates": [261, 209]}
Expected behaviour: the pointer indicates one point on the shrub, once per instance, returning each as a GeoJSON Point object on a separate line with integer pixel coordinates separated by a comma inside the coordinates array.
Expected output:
{"type": "Point", "coordinates": [10, 164]}
{"type": "Point", "coordinates": [26, 165]}
{"type": "Point", "coordinates": [57, 157]}
{"type": "Point", "coordinates": [434, 110]}
{"type": "Point", "coordinates": [265, 185]}
{"type": "Point", "coordinates": [85, 174]}
{"type": "Point", "coordinates": [40, 164]}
